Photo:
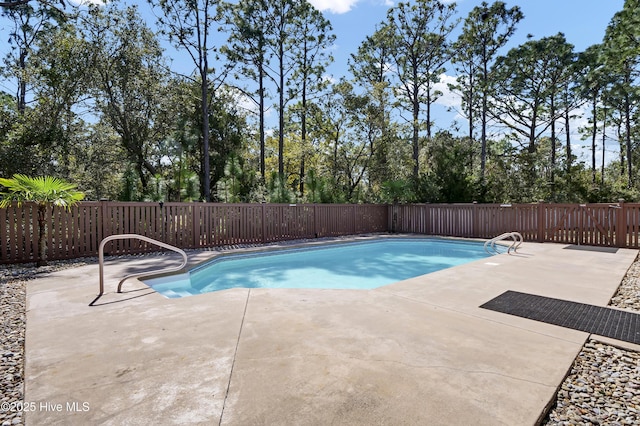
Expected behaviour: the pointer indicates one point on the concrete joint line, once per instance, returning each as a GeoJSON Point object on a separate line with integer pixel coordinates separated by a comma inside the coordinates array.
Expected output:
{"type": "Point", "coordinates": [235, 352]}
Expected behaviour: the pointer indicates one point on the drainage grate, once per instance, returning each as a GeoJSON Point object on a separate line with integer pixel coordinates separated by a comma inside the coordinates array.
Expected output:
{"type": "Point", "coordinates": [607, 322]}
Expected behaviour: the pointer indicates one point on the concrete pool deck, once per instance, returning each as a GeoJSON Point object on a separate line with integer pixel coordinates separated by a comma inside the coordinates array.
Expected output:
{"type": "Point", "coordinates": [420, 351]}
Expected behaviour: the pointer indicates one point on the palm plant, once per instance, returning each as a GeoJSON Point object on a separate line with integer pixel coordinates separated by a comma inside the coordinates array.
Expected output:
{"type": "Point", "coordinates": [44, 191]}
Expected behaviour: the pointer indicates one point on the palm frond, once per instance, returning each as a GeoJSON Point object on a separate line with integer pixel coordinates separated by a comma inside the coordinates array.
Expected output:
{"type": "Point", "coordinates": [40, 189]}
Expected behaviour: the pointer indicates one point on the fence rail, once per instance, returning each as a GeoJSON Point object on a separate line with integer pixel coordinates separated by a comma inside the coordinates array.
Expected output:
{"type": "Point", "coordinates": [77, 232]}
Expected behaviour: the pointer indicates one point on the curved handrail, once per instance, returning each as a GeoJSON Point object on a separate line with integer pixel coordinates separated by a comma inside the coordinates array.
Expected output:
{"type": "Point", "coordinates": [490, 246]}
{"type": "Point", "coordinates": [491, 243]}
{"type": "Point", "coordinates": [140, 274]}
{"type": "Point", "coordinates": [515, 244]}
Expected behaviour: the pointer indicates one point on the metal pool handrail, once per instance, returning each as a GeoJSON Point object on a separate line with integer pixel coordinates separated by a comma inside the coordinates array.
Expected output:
{"type": "Point", "coordinates": [140, 274]}
{"type": "Point", "coordinates": [490, 246]}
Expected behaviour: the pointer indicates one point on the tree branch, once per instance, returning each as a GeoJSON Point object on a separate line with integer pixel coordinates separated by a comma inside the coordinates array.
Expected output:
{"type": "Point", "coordinates": [16, 3]}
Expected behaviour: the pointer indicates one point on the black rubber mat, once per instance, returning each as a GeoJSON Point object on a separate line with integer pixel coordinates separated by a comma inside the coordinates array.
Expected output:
{"type": "Point", "coordinates": [608, 322]}
{"type": "Point", "coordinates": [593, 248]}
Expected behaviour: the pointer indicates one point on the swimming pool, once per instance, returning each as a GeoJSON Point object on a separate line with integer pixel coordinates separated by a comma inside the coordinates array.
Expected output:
{"type": "Point", "coordinates": [358, 265]}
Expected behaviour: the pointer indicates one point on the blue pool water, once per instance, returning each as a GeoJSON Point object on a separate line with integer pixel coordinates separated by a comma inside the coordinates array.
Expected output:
{"type": "Point", "coordinates": [361, 265]}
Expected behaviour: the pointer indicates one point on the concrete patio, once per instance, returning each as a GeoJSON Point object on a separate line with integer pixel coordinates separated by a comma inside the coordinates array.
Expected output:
{"type": "Point", "coordinates": [420, 351]}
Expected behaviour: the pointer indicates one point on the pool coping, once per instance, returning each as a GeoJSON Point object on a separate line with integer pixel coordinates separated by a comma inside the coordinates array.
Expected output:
{"type": "Point", "coordinates": [416, 351]}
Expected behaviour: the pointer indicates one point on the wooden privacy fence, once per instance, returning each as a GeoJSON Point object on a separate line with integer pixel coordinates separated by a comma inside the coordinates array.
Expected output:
{"type": "Point", "coordinates": [608, 225]}
{"type": "Point", "coordinates": [78, 232]}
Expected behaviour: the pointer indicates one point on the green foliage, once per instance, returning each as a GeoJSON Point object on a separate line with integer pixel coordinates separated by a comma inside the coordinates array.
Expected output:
{"type": "Point", "coordinates": [612, 188]}
{"type": "Point", "coordinates": [238, 183]}
{"type": "Point", "coordinates": [278, 191]}
{"type": "Point", "coordinates": [129, 187]}
{"type": "Point", "coordinates": [97, 162]}
{"type": "Point", "coordinates": [157, 189]}
{"type": "Point", "coordinates": [190, 26]}
{"type": "Point", "coordinates": [104, 110]}
{"type": "Point", "coordinates": [43, 190]}
{"type": "Point", "coordinates": [318, 189]}
{"type": "Point", "coordinates": [416, 35]}
{"type": "Point", "coordinates": [450, 170]}
{"type": "Point", "coordinates": [18, 3]}
{"type": "Point", "coordinates": [621, 57]}
{"type": "Point", "coordinates": [129, 83]}
{"type": "Point", "coordinates": [226, 127]}
{"type": "Point", "coordinates": [486, 30]}
{"type": "Point", "coordinates": [523, 88]}
{"type": "Point", "coordinates": [397, 191]}
{"type": "Point", "coordinates": [184, 186]}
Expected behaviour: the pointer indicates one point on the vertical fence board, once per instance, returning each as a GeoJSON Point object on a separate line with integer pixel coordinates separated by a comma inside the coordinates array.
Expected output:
{"type": "Point", "coordinates": [5, 241]}
{"type": "Point", "coordinates": [29, 233]}
{"type": "Point", "coordinates": [18, 237]}
{"type": "Point", "coordinates": [12, 240]}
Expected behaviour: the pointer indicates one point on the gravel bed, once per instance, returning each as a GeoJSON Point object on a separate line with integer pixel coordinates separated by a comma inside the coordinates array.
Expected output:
{"type": "Point", "coordinates": [12, 306]}
{"type": "Point", "coordinates": [602, 388]}
{"type": "Point", "coordinates": [628, 294]}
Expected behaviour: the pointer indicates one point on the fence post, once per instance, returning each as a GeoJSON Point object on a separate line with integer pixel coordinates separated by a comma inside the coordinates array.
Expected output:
{"type": "Point", "coordinates": [101, 226]}
{"type": "Point", "coordinates": [195, 225]}
{"type": "Point", "coordinates": [355, 226]}
{"type": "Point", "coordinates": [394, 217]}
{"type": "Point", "coordinates": [315, 220]}
{"type": "Point", "coordinates": [264, 224]}
{"type": "Point", "coordinates": [621, 225]}
{"type": "Point", "coordinates": [474, 220]}
{"type": "Point", "coordinates": [103, 220]}
{"type": "Point", "coordinates": [426, 211]}
{"type": "Point", "coordinates": [541, 222]}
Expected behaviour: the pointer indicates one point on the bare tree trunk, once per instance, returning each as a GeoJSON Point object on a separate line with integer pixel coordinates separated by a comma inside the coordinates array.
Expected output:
{"type": "Point", "coordinates": [604, 142]}
{"type": "Point", "coordinates": [553, 142]}
{"type": "Point", "coordinates": [567, 130]}
{"type": "Point", "coordinates": [485, 109]}
{"type": "Point", "coordinates": [22, 84]}
{"type": "Point", "coordinates": [262, 135]}
{"type": "Point", "coordinates": [281, 114]}
{"type": "Point", "coordinates": [42, 234]}
{"type": "Point", "coordinates": [206, 165]}
{"type": "Point", "coordinates": [593, 139]}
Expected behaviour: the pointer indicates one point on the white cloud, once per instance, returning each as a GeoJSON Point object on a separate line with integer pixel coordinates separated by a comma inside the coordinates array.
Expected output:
{"type": "Point", "coordinates": [334, 6]}
{"type": "Point", "coordinates": [448, 98]}
{"type": "Point", "coordinates": [243, 102]}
